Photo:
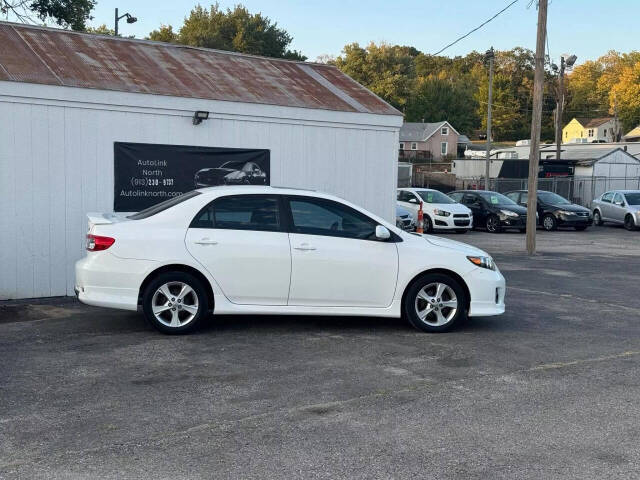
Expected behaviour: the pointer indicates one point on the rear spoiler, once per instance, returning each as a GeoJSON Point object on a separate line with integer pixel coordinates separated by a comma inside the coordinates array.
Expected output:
{"type": "Point", "coordinates": [105, 218]}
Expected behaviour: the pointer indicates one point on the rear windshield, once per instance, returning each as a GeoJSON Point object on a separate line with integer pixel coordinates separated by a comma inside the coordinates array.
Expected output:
{"type": "Point", "coordinates": [159, 207]}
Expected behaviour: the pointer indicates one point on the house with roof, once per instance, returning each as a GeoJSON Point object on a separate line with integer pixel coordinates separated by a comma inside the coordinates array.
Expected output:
{"type": "Point", "coordinates": [96, 123]}
{"type": "Point", "coordinates": [590, 130]}
{"type": "Point", "coordinates": [633, 135]}
{"type": "Point", "coordinates": [428, 141]}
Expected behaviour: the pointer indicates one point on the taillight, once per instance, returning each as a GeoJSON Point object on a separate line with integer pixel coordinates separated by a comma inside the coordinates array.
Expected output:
{"type": "Point", "coordinates": [96, 243]}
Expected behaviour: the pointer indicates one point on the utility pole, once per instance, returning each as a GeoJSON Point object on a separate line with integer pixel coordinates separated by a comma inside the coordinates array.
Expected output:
{"type": "Point", "coordinates": [116, 22]}
{"type": "Point", "coordinates": [489, 55]}
{"type": "Point", "coordinates": [568, 63]}
{"type": "Point", "coordinates": [536, 118]}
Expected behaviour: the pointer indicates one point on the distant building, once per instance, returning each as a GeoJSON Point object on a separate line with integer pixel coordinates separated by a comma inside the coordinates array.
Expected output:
{"type": "Point", "coordinates": [589, 130]}
{"type": "Point", "coordinates": [633, 135]}
{"type": "Point", "coordinates": [428, 141]}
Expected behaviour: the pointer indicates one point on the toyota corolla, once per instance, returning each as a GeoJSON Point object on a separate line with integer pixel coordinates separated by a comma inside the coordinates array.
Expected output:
{"type": "Point", "coordinates": [264, 250]}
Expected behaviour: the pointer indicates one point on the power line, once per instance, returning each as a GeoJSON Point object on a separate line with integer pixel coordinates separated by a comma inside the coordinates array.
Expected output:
{"type": "Point", "coordinates": [475, 29]}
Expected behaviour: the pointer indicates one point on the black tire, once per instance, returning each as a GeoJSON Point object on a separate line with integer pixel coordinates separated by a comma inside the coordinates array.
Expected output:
{"type": "Point", "coordinates": [175, 278]}
{"type": "Point", "coordinates": [549, 222]}
{"type": "Point", "coordinates": [427, 224]}
{"type": "Point", "coordinates": [581, 228]}
{"type": "Point", "coordinates": [629, 224]}
{"type": "Point", "coordinates": [430, 322]}
{"type": "Point", "coordinates": [462, 231]}
{"type": "Point", "coordinates": [597, 218]}
{"type": "Point", "coordinates": [492, 224]}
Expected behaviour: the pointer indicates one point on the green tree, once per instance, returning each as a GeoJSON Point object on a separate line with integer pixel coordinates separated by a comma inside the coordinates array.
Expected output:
{"type": "Point", "coordinates": [386, 70]}
{"type": "Point", "coordinates": [164, 34]}
{"type": "Point", "coordinates": [66, 13]}
{"type": "Point", "coordinates": [235, 30]}
{"type": "Point", "coordinates": [626, 96]}
{"type": "Point", "coordinates": [101, 30]}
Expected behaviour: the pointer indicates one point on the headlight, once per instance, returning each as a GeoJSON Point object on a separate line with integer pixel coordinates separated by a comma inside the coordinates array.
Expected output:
{"type": "Point", "coordinates": [441, 213]}
{"type": "Point", "coordinates": [565, 212]}
{"type": "Point", "coordinates": [508, 213]}
{"type": "Point", "coordinates": [483, 262]}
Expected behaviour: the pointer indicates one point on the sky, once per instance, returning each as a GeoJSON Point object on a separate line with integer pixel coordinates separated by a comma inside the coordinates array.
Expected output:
{"type": "Point", "coordinates": [587, 28]}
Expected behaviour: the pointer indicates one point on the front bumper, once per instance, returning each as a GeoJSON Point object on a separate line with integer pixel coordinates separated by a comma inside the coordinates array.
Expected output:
{"type": "Point", "coordinates": [453, 222]}
{"type": "Point", "coordinates": [514, 222]}
{"type": "Point", "coordinates": [574, 220]}
{"type": "Point", "coordinates": [487, 289]}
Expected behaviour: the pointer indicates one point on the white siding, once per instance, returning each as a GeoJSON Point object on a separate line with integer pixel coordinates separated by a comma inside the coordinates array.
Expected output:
{"type": "Point", "coordinates": [56, 164]}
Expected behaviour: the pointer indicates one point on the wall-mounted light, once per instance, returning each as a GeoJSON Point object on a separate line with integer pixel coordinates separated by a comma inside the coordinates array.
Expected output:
{"type": "Point", "coordinates": [199, 116]}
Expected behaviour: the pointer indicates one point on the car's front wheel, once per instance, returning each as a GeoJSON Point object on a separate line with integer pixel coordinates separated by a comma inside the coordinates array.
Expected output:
{"type": "Point", "coordinates": [629, 224]}
{"type": "Point", "coordinates": [435, 302]}
{"type": "Point", "coordinates": [597, 218]}
{"type": "Point", "coordinates": [493, 224]}
{"type": "Point", "coordinates": [175, 302]}
{"type": "Point", "coordinates": [549, 222]}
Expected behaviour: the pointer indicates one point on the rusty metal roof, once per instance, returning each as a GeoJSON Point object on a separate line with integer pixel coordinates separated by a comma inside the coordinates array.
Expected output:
{"type": "Point", "coordinates": [59, 57]}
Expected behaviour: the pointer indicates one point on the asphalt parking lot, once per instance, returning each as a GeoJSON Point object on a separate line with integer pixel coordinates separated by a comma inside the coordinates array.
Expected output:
{"type": "Point", "coordinates": [548, 390]}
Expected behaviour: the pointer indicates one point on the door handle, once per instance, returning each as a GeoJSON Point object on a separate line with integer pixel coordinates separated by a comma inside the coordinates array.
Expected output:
{"type": "Point", "coordinates": [304, 246]}
{"type": "Point", "coordinates": [206, 241]}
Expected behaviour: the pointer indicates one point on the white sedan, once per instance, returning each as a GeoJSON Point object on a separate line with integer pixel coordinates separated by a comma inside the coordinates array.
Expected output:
{"type": "Point", "coordinates": [264, 250]}
{"type": "Point", "coordinates": [440, 211]}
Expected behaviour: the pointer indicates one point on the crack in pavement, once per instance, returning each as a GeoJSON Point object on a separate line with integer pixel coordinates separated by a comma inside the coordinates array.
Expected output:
{"type": "Point", "coordinates": [222, 426]}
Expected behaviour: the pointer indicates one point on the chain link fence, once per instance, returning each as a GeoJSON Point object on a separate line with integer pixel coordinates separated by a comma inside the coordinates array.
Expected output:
{"type": "Point", "coordinates": [580, 190]}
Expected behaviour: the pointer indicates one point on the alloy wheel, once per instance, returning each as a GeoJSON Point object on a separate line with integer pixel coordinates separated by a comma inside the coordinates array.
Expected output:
{"type": "Point", "coordinates": [548, 223]}
{"type": "Point", "coordinates": [175, 304]}
{"type": "Point", "coordinates": [436, 304]}
{"type": "Point", "coordinates": [492, 224]}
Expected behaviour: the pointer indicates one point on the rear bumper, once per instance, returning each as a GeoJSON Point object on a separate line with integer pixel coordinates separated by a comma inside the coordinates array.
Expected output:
{"type": "Point", "coordinates": [487, 289]}
{"type": "Point", "coordinates": [104, 280]}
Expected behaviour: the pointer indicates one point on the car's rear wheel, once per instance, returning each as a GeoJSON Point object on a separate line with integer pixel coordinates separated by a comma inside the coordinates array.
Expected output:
{"type": "Point", "coordinates": [597, 218]}
{"type": "Point", "coordinates": [629, 224]}
{"type": "Point", "coordinates": [493, 224]}
{"type": "Point", "coordinates": [175, 302]}
{"type": "Point", "coordinates": [435, 302]}
{"type": "Point", "coordinates": [549, 222]}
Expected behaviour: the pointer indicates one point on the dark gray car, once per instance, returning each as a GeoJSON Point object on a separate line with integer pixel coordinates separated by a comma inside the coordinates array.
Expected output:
{"type": "Point", "coordinates": [618, 206]}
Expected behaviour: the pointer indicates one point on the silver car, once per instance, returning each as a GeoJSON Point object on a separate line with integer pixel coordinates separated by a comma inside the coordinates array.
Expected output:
{"type": "Point", "coordinates": [404, 219]}
{"type": "Point", "coordinates": [618, 206]}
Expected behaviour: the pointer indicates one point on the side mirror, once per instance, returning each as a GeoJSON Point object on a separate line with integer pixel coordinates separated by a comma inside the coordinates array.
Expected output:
{"type": "Point", "coordinates": [382, 233]}
{"type": "Point", "coordinates": [413, 200]}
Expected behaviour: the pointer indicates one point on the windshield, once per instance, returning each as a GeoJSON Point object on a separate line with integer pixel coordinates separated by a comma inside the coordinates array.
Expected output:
{"type": "Point", "coordinates": [159, 207]}
{"type": "Point", "coordinates": [233, 165]}
{"type": "Point", "coordinates": [433, 196]}
{"type": "Point", "coordinates": [633, 198]}
{"type": "Point", "coordinates": [553, 198]}
{"type": "Point", "coordinates": [495, 198]}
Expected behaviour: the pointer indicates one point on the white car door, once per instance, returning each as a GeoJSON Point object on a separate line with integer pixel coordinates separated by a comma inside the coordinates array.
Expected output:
{"type": "Point", "coordinates": [336, 260]}
{"type": "Point", "coordinates": [240, 240]}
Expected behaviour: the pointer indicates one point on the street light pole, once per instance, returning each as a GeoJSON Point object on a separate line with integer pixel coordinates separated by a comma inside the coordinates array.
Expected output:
{"type": "Point", "coordinates": [489, 55]}
{"type": "Point", "coordinates": [559, 105]}
{"type": "Point", "coordinates": [117, 18]}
